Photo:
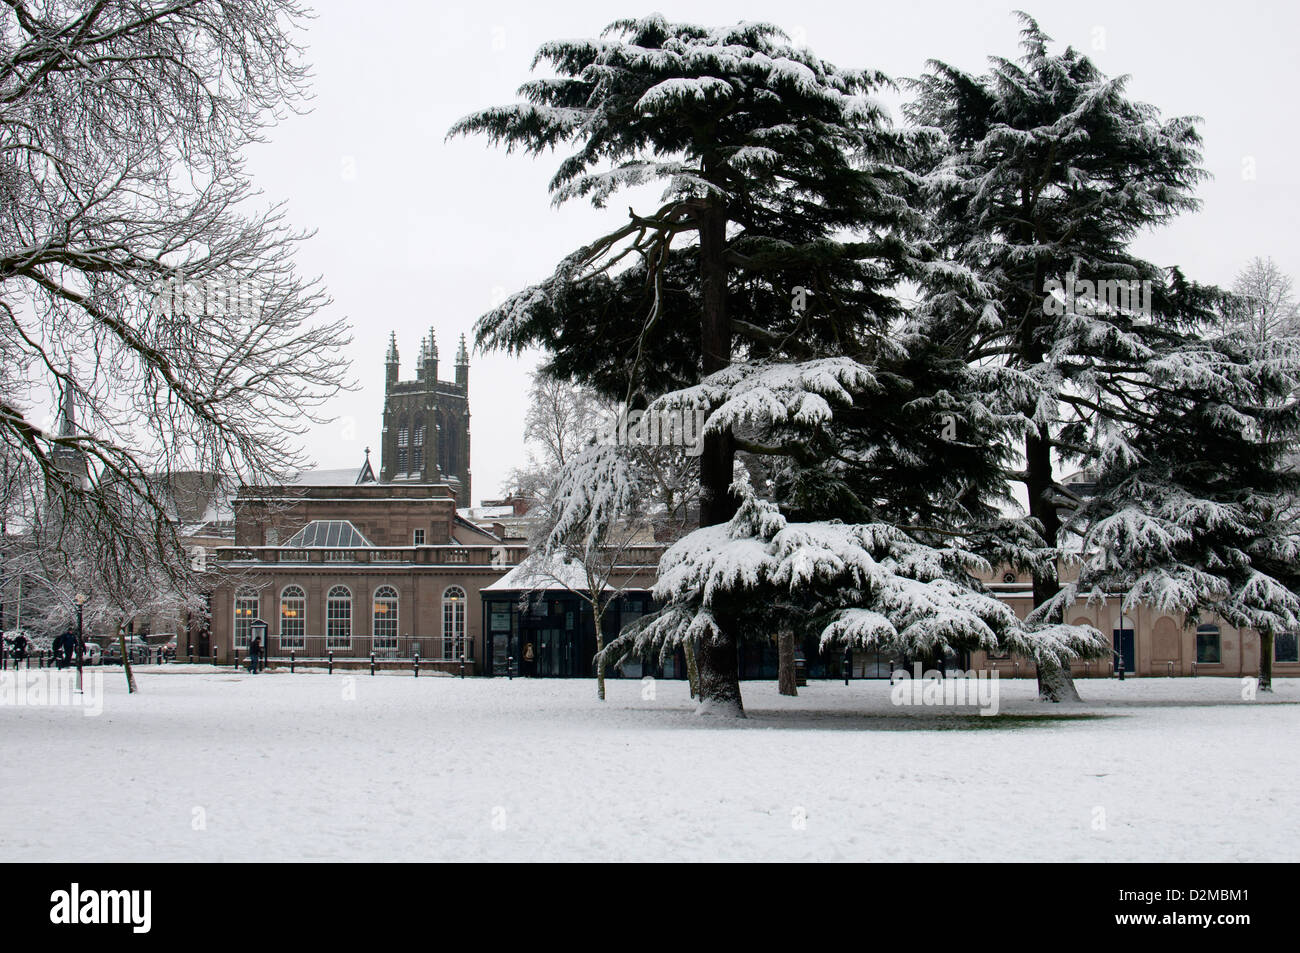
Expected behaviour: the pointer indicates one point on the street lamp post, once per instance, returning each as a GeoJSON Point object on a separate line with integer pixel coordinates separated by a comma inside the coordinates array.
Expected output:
{"type": "Point", "coordinates": [81, 598]}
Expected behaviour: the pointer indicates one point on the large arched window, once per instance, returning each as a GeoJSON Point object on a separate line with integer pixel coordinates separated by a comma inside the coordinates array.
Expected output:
{"type": "Point", "coordinates": [338, 618]}
{"type": "Point", "coordinates": [453, 622]}
{"type": "Point", "coordinates": [384, 626]}
{"type": "Point", "coordinates": [246, 609]}
{"type": "Point", "coordinates": [293, 618]}
{"type": "Point", "coordinates": [1208, 648]}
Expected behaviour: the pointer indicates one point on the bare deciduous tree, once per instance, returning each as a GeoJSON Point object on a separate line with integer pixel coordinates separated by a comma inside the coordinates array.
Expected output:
{"type": "Point", "coordinates": [561, 419]}
{"type": "Point", "coordinates": [1263, 304]}
{"type": "Point", "coordinates": [138, 282]}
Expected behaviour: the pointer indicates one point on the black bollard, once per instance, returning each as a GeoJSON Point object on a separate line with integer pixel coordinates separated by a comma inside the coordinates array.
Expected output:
{"type": "Point", "coordinates": [510, 667]}
{"type": "Point", "coordinates": [372, 663]}
{"type": "Point", "coordinates": [462, 666]}
{"type": "Point", "coordinates": [331, 661]}
{"type": "Point", "coordinates": [417, 664]}
{"type": "Point", "coordinates": [292, 654]}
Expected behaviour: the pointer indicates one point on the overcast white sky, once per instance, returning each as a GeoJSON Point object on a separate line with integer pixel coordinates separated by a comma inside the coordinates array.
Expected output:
{"type": "Point", "coordinates": [414, 232]}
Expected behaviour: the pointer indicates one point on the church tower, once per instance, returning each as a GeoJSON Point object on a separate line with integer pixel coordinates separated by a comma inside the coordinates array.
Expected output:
{"type": "Point", "coordinates": [71, 460]}
{"type": "Point", "coordinates": [426, 422]}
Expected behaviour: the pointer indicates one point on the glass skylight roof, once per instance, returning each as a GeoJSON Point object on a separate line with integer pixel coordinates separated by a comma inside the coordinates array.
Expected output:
{"type": "Point", "coordinates": [333, 534]}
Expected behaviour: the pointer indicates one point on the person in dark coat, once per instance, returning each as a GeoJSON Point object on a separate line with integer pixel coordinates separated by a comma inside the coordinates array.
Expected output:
{"type": "Point", "coordinates": [64, 648]}
{"type": "Point", "coordinates": [254, 652]}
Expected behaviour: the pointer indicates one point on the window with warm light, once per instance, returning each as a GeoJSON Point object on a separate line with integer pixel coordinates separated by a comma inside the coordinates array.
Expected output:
{"type": "Point", "coordinates": [384, 628]}
{"type": "Point", "coordinates": [293, 618]}
{"type": "Point", "coordinates": [246, 609]}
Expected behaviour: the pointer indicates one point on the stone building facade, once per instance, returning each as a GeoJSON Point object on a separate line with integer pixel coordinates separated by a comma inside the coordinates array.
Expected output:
{"type": "Point", "coordinates": [344, 571]}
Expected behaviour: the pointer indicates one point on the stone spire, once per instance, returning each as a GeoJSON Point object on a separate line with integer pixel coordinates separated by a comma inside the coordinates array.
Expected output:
{"type": "Point", "coordinates": [429, 358]}
{"type": "Point", "coordinates": [68, 408]}
{"type": "Point", "coordinates": [391, 362]}
{"type": "Point", "coordinates": [462, 365]}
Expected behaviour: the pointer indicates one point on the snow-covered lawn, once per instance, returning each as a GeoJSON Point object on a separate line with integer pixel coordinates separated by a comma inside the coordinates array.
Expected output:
{"type": "Point", "coordinates": [208, 764]}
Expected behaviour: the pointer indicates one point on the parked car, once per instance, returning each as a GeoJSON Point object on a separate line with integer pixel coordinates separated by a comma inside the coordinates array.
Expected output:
{"type": "Point", "coordinates": [137, 649]}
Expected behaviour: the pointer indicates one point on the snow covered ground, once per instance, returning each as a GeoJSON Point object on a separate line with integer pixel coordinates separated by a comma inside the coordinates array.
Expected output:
{"type": "Point", "coordinates": [207, 764]}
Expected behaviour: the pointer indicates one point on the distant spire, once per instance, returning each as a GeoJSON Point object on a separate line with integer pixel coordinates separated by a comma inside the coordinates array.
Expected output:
{"type": "Point", "coordinates": [462, 355]}
{"type": "Point", "coordinates": [367, 475]}
{"type": "Point", "coordinates": [392, 347]}
{"type": "Point", "coordinates": [68, 410]}
{"type": "Point", "coordinates": [433, 344]}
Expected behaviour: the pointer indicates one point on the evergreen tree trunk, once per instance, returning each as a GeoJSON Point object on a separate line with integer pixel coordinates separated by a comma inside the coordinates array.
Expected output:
{"type": "Point", "coordinates": [719, 657]}
{"type": "Point", "coordinates": [692, 670]}
{"type": "Point", "coordinates": [1055, 683]}
{"type": "Point", "coordinates": [786, 682]}
{"type": "Point", "coordinates": [1265, 661]}
{"type": "Point", "coordinates": [720, 676]}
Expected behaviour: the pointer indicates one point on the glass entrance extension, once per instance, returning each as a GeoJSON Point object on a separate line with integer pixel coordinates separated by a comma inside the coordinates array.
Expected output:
{"type": "Point", "coordinates": [551, 635]}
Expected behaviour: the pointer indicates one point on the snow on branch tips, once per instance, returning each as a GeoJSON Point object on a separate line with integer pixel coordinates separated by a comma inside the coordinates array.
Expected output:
{"type": "Point", "coordinates": [773, 394]}
{"type": "Point", "coordinates": [866, 586]}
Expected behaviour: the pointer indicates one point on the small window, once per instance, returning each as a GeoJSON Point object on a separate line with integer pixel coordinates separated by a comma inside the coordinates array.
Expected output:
{"type": "Point", "coordinates": [1207, 644]}
{"type": "Point", "coordinates": [419, 537]}
{"type": "Point", "coordinates": [1285, 647]}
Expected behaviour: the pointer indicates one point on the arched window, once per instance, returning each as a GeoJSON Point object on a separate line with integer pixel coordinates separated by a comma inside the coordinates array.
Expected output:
{"type": "Point", "coordinates": [384, 626]}
{"type": "Point", "coordinates": [417, 447]}
{"type": "Point", "coordinates": [338, 618]}
{"type": "Point", "coordinates": [293, 618]}
{"type": "Point", "coordinates": [1208, 649]}
{"type": "Point", "coordinates": [246, 609]}
{"type": "Point", "coordinates": [453, 622]}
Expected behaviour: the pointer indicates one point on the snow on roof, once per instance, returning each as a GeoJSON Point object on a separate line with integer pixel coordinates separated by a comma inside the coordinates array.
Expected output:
{"type": "Point", "coordinates": [545, 573]}
{"type": "Point", "coordinates": [484, 512]}
{"type": "Point", "coordinates": [344, 477]}
{"type": "Point", "coordinates": [340, 534]}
